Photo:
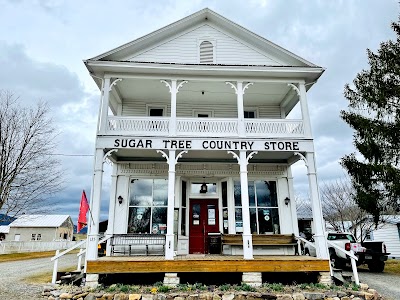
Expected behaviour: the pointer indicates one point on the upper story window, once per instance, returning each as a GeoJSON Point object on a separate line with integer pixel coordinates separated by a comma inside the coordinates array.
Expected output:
{"type": "Point", "coordinates": [206, 52]}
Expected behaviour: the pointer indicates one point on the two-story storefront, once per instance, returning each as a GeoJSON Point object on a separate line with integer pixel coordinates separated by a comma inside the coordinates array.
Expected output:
{"type": "Point", "coordinates": [194, 119]}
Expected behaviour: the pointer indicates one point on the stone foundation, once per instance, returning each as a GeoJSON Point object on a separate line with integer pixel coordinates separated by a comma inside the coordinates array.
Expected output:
{"type": "Point", "coordinates": [171, 279]}
{"type": "Point", "coordinates": [253, 279]}
{"type": "Point", "coordinates": [92, 280]}
{"type": "Point", "coordinates": [325, 278]}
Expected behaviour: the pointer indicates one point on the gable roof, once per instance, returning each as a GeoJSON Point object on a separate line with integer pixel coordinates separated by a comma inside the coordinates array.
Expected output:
{"type": "Point", "coordinates": [204, 16]}
{"type": "Point", "coordinates": [39, 221]}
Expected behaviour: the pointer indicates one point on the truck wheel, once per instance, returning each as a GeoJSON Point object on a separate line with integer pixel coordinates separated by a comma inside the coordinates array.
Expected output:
{"type": "Point", "coordinates": [377, 266]}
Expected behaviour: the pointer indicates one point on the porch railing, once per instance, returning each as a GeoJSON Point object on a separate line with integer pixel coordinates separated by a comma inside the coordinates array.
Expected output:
{"type": "Point", "coordinates": [206, 127]}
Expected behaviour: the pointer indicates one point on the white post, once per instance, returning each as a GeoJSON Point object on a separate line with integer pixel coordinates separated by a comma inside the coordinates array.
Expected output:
{"type": "Point", "coordinates": [304, 110]}
{"type": "Point", "coordinates": [93, 234]}
{"type": "Point", "coordinates": [104, 106]}
{"type": "Point", "coordinates": [319, 237]}
{"type": "Point", "coordinates": [172, 128]}
{"type": "Point", "coordinates": [354, 268]}
{"type": "Point", "coordinates": [80, 259]}
{"type": "Point", "coordinates": [240, 106]}
{"type": "Point", "coordinates": [55, 267]}
{"type": "Point", "coordinates": [292, 202]}
{"type": "Point", "coordinates": [111, 210]}
{"type": "Point", "coordinates": [169, 247]}
{"type": "Point", "coordinates": [247, 238]}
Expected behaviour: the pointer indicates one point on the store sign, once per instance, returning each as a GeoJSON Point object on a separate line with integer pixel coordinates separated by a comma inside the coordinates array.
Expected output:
{"type": "Point", "coordinates": [207, 144]}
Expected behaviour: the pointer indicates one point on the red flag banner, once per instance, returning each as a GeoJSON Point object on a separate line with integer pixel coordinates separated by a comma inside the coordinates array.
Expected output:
{"type": "Point", "coordinates": [83, 209]}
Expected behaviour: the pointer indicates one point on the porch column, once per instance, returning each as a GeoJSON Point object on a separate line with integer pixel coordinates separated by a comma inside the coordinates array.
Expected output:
{"type": "Point", "coordinates": [292, 202]}
{"type": "Point", "coordinates": [319, 236]}
{"type": "Point", "coordinates": [111, 210]}
{"type": "Point", "coordinates": [94, 213]}
{"type": "Point", "coordinates": [173, 89]}
{"type": "Point", "coordinates": [239, 91]}
{"type": "Point", "coordinates": [243, 161]}
{"type": "Point", "coordinates": [172, 160]}
{"type": "Point", "coordinates": [104, 106]}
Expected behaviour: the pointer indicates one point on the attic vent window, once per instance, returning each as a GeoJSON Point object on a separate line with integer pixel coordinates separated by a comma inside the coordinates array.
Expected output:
{"type": "Point", "coordinates": [206, 52]}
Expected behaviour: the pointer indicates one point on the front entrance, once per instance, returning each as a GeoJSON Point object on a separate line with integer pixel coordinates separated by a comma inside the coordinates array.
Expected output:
{"type": "Point", "coordinates": [203, 220]}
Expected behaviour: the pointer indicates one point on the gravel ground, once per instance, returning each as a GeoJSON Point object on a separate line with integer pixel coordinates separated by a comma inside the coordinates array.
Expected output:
{"type": "Point", "coordinates": [12, 275]}
{"type": "Point", "coordinates": [386, 285]}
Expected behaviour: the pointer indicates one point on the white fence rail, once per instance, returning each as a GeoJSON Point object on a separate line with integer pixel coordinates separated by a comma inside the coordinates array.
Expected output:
{"type": "Point", "coordinates": [34, 246]}
{"type": "Point", "coordinates": [207, 127]}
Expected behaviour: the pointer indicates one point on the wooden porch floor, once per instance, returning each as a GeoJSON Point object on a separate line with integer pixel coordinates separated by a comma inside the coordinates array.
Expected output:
{"type": "Point", "coordinates": [206, 263]}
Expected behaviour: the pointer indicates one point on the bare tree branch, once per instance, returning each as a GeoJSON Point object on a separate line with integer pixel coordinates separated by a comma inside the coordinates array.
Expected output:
{"type": "Point", "coordinates": [29, 174]}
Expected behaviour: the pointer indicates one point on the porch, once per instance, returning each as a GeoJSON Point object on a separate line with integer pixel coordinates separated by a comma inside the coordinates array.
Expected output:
{"type": "Point", "coordinates": [206, 263]}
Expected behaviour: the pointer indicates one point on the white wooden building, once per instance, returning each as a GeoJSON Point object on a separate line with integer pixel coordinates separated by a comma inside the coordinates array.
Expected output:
{"type": "Point", "coordinates": [388, 232]}
{"type": "Point", "coordinates": [194, 119]}
{"type": "Point", "coordinates": [44, 228]}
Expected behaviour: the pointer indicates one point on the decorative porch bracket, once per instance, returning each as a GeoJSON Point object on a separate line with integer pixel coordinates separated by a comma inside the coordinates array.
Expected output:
{"type": "Point", "coordinates": [243, 161]}
{"type": "Point", "coordinates": [172, 160]}
{"type": "Point", "coordinates": [105, 99]}
{"type": "Point", "coordinates": [239, 91]}
{"type": "Point", "coordinates": [295, 88]}
{"type": "Point", "coordinates": [173, 87]}
{"type": "Point", "coordinates": [319, 236]}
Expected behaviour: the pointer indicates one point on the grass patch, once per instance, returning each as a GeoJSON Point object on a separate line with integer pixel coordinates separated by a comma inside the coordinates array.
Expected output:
{"type": "Point", "coordinates": [29, 255]}
{"type": "Point", "coordinates": [44, 277]}
{"type": "Point", "coordinates": [26, 255]}
{"type": "Point", "coordinates": [392, 266]}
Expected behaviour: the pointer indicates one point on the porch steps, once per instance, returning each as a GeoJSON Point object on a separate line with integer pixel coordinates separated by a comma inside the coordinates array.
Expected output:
{"type": "Point", "coordinates": [339, 277]}
{"type": "Point", "coordinates": [72, 277]}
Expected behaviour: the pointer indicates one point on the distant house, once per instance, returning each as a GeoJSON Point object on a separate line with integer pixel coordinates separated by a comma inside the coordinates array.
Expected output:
{"type": "Point", "coordinates": [41, 228]}
{"type": "Point", "coordinates": [388, 232]}
{"type": "Point", "coordinates": [4, 230]}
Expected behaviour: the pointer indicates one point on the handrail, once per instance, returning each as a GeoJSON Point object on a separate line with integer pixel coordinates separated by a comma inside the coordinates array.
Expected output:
{"type": "Point", "coordinates": [342, 250]}
{"type": "Point", "coordinates": [68, 250]}
{"type": "Point", "coordinates": [353, 259]}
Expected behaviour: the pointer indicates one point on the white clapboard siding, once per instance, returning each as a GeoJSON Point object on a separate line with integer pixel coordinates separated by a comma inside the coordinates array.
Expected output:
{"type": "Point", "coordinates": [184, 49]}
{"type": "Point", "coordinates": [138, 108]}
{"type": "Point", "coordinates": [390, 235]}
{"type": "Point", "coordinates": [185, 109]}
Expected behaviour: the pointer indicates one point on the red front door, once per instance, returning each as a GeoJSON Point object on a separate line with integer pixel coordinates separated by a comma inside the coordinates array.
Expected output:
{"type": "Point", "coordinates": [203, 220]}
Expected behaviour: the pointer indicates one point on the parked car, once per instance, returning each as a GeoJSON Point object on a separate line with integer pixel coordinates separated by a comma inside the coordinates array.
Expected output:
{"type": "Point", "coordinates": [371, 253]}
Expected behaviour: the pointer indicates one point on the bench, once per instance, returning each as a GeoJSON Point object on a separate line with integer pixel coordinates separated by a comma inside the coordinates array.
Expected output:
{"type": "Point", "coordinates": [128, 243]}
{"type": "Point", "coordinates": [260, 240]}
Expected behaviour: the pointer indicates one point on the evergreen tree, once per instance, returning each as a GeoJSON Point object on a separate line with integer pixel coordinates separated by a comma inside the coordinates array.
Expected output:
{"type": "Point", "coordinates": [374, 114]}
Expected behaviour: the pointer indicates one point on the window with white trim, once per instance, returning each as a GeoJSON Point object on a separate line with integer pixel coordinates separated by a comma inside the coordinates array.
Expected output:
{"type": "Point", "coordinates": [264, 215]}
{"type": "Point", "coordinates": [206, 52]}
{"type": "Point", "coordinates": [148, 206]}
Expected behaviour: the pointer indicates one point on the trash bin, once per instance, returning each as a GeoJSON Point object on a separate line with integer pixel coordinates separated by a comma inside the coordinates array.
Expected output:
{"type": "Point", "coordinates": [214, 243]}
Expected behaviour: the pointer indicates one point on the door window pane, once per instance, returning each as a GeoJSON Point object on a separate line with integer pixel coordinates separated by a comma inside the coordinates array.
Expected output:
{"type": "Point", "coordinates": [156, 112]}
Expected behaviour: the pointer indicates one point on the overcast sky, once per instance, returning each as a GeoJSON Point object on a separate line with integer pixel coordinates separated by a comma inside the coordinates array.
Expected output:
{"type": "Point", "coordinates": [43, 43]}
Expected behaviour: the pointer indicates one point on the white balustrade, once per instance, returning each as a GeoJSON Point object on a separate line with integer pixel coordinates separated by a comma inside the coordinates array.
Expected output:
{"type": "Point", "coordinates": [205, 127]}
{"type": "Point", "coordinates": [274, 128]}
{"type": "Point", "coordinates": [138, 125]}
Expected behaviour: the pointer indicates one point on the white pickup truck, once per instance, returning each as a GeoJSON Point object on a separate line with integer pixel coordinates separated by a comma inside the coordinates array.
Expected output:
{"type": "Point", "coordinates": [371, 253]}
